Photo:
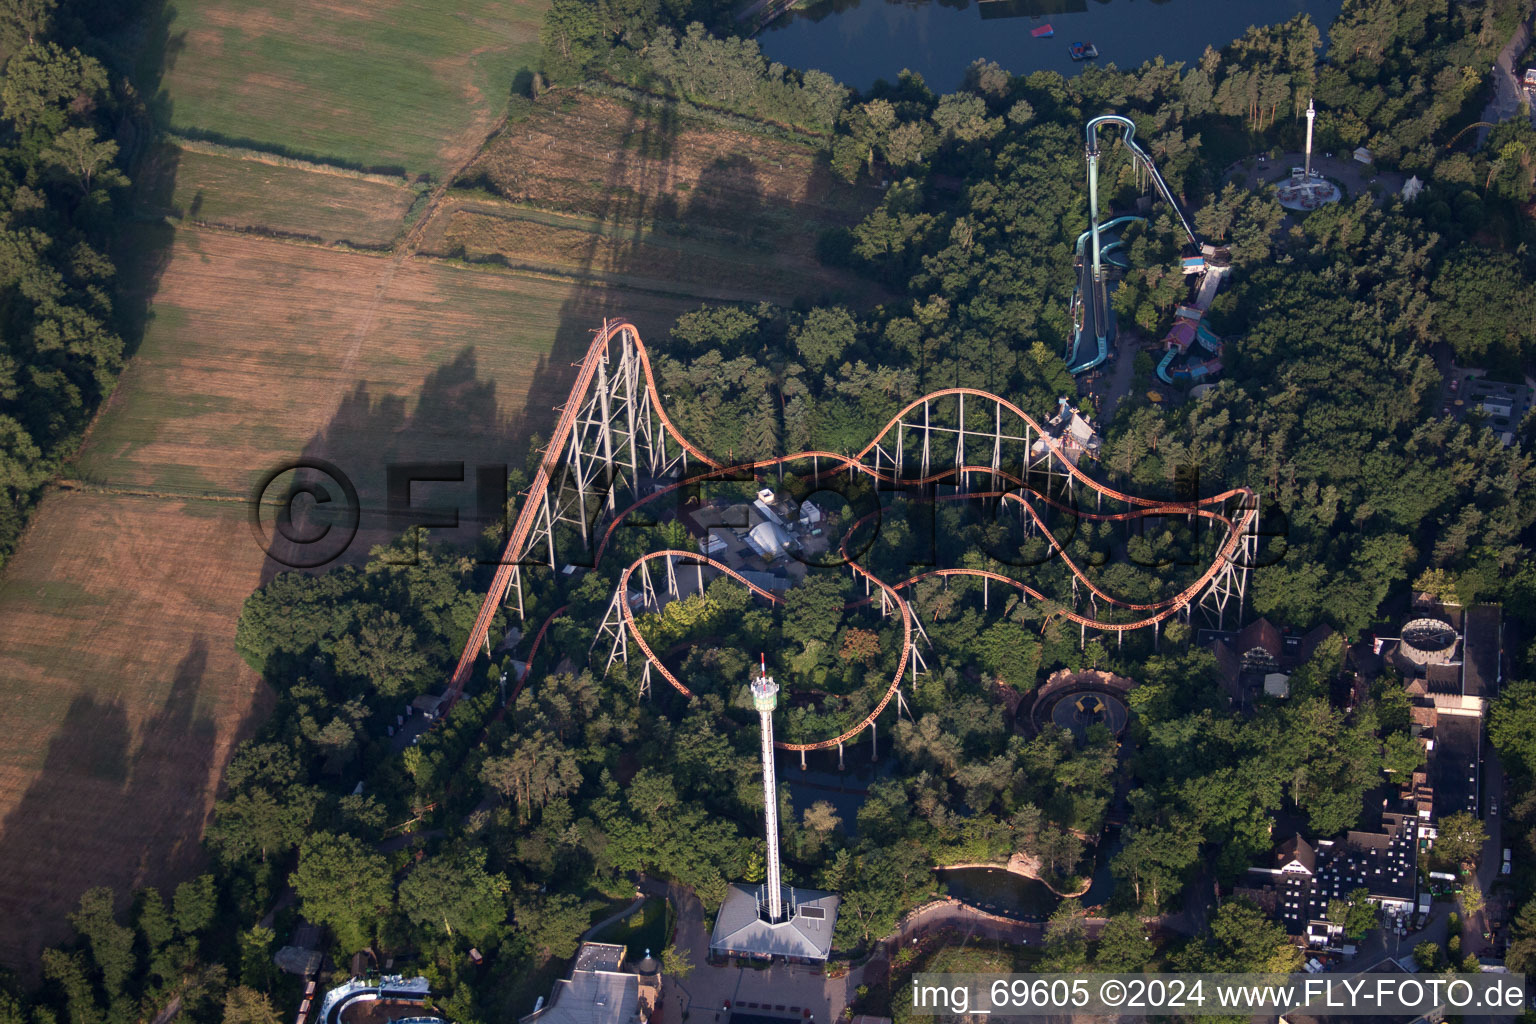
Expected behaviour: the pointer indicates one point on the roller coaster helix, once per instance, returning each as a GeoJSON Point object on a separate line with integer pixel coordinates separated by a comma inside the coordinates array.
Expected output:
{"type": "Point", "coordinates": [614, 435]}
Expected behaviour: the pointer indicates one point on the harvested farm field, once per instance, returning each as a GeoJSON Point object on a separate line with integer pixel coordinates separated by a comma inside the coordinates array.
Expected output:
{"type": "Point", "coordinates": [118, 673]}
{"type": "Point", "coordinates": [607, 185]}
{"type": "Point", "coordinates": [265, 195]}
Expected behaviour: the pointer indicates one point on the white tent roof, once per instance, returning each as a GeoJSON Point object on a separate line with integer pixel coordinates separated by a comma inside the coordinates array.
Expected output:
{"type": "Point", "coordinates": [768, 539]}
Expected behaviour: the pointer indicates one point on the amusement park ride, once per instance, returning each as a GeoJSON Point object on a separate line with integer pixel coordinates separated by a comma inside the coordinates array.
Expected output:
{"type": "Point", "coordinates": [1307, 189]}
{"type": "Point", "coordinates": [1093, 320]}
{"type": "Point", "coordinates": [614, 436]}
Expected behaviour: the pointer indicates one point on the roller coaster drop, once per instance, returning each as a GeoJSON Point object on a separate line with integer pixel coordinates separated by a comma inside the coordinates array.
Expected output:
{"type": "Point", "coordinates": [614, 431]}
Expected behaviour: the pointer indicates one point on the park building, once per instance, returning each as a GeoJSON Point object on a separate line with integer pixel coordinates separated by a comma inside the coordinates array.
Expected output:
{"type": "Point", "coordinates": [804, 936]}
{"type": "Point", "coordinates": [770, 535]}
{"type": "Point", "coordinates": [1303, 877]}
{"type": "Point", "coordinates": [601, 990]}
{"type": "Point", "coordinates": [1450, 659]}
{"type": "Point", "coordinates": [1260, 658]}
{"type": "Point", "coordinates": [1072, 433]}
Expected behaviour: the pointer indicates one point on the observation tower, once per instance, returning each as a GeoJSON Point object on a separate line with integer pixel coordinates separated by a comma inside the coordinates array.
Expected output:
{"type": "Point", "coordinates": [765, 697]}
{"type": "Point", "coordinates": [773, 919]}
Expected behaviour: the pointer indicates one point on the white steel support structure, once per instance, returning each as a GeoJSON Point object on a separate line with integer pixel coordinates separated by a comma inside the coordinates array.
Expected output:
{"type": "Point", "coordinates": [616, 437]}
{"type": "Point", "coordinates": [765, 695]}
{"type": "Point", "coordinates": [1230, 585]}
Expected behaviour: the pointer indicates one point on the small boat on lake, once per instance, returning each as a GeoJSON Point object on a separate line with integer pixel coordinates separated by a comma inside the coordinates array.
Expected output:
{"type": "Point", "coordinates": [1083, 51]}
{"type": "Point", "coordinates": [1043, 32]}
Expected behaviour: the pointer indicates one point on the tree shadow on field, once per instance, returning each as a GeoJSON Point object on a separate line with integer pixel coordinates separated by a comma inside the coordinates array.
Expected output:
{"type": "Point", "coordinates": [453, 427]}
{"type": "Point", "coordinates": [108, 807]}
{"type": "Point", "coordinates": [143, 246]}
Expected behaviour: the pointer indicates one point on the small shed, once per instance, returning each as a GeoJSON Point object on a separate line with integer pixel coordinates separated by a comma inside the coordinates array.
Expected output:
{"type": "Point", "coordinates": [1363, 155]}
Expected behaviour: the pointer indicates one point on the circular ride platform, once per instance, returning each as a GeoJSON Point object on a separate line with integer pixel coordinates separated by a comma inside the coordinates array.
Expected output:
{"type": "Point", "coordinates": [1300, 194]}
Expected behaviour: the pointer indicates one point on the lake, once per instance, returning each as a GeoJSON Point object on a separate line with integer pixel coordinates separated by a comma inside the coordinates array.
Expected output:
{"type": "Point", "coordinates": [859, 41]}
{"type": "Point", "coordinates": [1000, 892]}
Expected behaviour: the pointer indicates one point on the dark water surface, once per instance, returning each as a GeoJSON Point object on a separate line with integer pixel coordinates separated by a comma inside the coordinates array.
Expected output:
{"type": "Point", "coordinates": [859, 41]}
{"type": "Point", "coordinates": [1000, 892]}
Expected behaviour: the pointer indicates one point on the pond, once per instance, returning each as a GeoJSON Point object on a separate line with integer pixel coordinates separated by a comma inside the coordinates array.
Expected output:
{"type": "Point", "coordinates": [859, 41]}
{"type": "Point", "coordinates": [1000, 892]}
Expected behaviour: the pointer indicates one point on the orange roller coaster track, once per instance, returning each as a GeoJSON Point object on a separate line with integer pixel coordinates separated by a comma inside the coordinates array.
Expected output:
{"type": "Point", "coordinates": [626, 411]}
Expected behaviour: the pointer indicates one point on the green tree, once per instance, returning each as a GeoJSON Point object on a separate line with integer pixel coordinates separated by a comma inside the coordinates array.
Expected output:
{"type": "Point", "coordinates": [1360, 914]}
{"type": "Point", "coordinates": [23, 22]}
{"type": "Point", "coordinates": [536, 770]}
{"type": "Point", "coordinates": [152, 920]}
{"type": "Point", "coordinates": [1485, 307]}
{"type": "Point", "coordinates": [111, 943]}
{"type": "Point", "coordinates": [552, 923]}
{"type": "Point", "coordinates": [1241, 940]}
{"type": "Point", "coordinates": [1066, 938]}
{"type": "Point", "coordinates": [260, 821]}
{"type": "Point", "coordinates": [45, 83]}
{"type": "Point", "coordinates": [386, 652]}
{"type": "Point", "coordinates": [257, 970]}
{"type": "Point", "coordinates": [1512, 727]}
{"type": "Point", "coordinates": [675, 962]}
{"type": "Point", "coordinates": [1402, 755]}
{"type": "Point", "coordinates": [67, 971]}
{"type": "Point", "coordinates": [344, 885]}
{"type": "Point", "coordinates": [1155, 858]}
{"type": "Point", "coordinates": [78, 157]}
{"type": "Point", "coordinates": [1428, 956]}
{"type": "Point", "coordinates": [454, 891]}
{"type": "Point", "coordinates": [1124, 945]}
{"type": "Point", "coordinates": [824, 336]}
{"type": "Point", "coordinates": [1459, 838]}
{"type": "Point", "coordinates": [244, 1005]}
{"type": "Point", "coordinates": [194, 905]}
{"type": "Point", "coordinates": [571, 39]}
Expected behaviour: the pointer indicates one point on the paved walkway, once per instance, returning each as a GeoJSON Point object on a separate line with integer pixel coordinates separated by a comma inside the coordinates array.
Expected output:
{"type": "Point", "coordinates": [618, 915]}
{"type": "Point", "coordinates": [1507, 94]}
{"type": "Point", "coordinates": [1342, 168]}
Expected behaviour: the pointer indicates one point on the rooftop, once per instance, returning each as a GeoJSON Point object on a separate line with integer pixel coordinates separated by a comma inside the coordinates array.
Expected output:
{"type": "Point", "coordinates": [1480, 664]}
{"type": "Point", "coordinates": [1453, 763]}
{"type": "Point", "coordinates": [806, 934]}
{"type": "Point", "coordinates": [599, 990]}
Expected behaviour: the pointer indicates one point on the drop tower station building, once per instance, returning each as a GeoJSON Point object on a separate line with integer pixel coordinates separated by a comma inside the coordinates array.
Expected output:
{"type": "Point", "coordinates": [771, 920]}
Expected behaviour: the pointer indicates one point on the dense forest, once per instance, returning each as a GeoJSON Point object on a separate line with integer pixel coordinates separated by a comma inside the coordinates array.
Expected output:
{"type": "Point", "coordinates": [539, 811]}
{"type": "Point", "coordinates": [64, 118]}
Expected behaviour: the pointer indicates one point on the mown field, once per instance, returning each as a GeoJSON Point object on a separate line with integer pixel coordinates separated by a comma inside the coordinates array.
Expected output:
{"type": "Point", "coordinates": [409, 84]}
{"type": "Point", "coordinates": [118, 678]}
{"type": "Point", "coordinates": [246, 193]}
{"type": "Point", "coordinates": [591, 183]}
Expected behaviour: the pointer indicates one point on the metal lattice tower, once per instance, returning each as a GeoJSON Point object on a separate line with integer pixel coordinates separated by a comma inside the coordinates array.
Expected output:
{"type": "Point", "coordinates": [615, 438]}
{"type": "Point", "coordinates": [765, 696]}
